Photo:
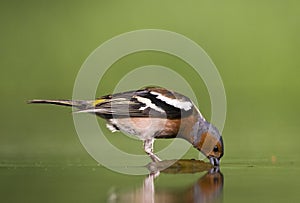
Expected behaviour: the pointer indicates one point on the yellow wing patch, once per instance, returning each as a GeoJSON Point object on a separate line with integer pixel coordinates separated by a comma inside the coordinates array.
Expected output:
{"type": "Point", "coordinates": [98, 101]}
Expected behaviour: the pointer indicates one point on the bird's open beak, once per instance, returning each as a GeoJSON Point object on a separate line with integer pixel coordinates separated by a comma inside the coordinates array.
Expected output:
{"type": "Point", "coordinates": [214, 161]}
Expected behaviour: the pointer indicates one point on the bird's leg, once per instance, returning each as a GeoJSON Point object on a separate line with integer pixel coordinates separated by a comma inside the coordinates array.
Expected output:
{"type": "Point", "coordinates": [148, 147]}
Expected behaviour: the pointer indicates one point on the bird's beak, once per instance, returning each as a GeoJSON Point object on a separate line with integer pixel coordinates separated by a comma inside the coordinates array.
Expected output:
{"type": "Point", "coordinates": [214, 161]}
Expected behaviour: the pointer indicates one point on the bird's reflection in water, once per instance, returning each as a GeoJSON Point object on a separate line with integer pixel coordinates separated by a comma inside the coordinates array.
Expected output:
{"type": "Point", "coordinates": [207, 188]}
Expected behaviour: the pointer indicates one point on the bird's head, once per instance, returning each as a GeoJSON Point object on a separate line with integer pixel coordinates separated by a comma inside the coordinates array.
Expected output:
{"type": "Point", "coordinates": [209, 141]}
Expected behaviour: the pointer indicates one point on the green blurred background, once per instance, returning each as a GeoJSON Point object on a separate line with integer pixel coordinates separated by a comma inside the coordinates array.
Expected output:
{"type": "Point", "coordinates": [254, 44]}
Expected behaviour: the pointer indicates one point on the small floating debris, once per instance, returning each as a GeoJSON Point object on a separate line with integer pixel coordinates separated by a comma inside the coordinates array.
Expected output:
{"type": "Point", "coordinates": [273, 159]}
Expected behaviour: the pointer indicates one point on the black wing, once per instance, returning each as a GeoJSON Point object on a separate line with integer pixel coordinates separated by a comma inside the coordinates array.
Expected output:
{"type": "Point", "coordinates": [147, 102]}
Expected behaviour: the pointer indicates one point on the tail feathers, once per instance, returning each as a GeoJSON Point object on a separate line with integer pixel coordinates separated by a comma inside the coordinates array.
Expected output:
{"type": "Point", "coordinates": [56, 102]}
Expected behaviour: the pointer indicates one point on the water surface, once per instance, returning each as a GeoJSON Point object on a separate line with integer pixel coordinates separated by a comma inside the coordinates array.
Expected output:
{"type": "Point", "coordinates": [38, 182]}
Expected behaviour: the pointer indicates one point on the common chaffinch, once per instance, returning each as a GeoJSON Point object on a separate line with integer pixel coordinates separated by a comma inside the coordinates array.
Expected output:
{"type": "Point", "coordinates": [153, 113]}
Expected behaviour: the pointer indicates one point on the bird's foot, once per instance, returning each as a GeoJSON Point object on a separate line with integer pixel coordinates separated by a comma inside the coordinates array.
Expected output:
{"type": "Point", "coordinates": [154, 157]}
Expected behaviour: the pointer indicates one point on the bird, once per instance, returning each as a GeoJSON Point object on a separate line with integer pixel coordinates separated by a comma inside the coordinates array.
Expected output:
{"type": "Point", "coordinates": [153, 113]}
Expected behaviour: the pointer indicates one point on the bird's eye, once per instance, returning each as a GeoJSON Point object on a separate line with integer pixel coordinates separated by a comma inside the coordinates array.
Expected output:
{"type": "Point", "coordinates": [216, 149]}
